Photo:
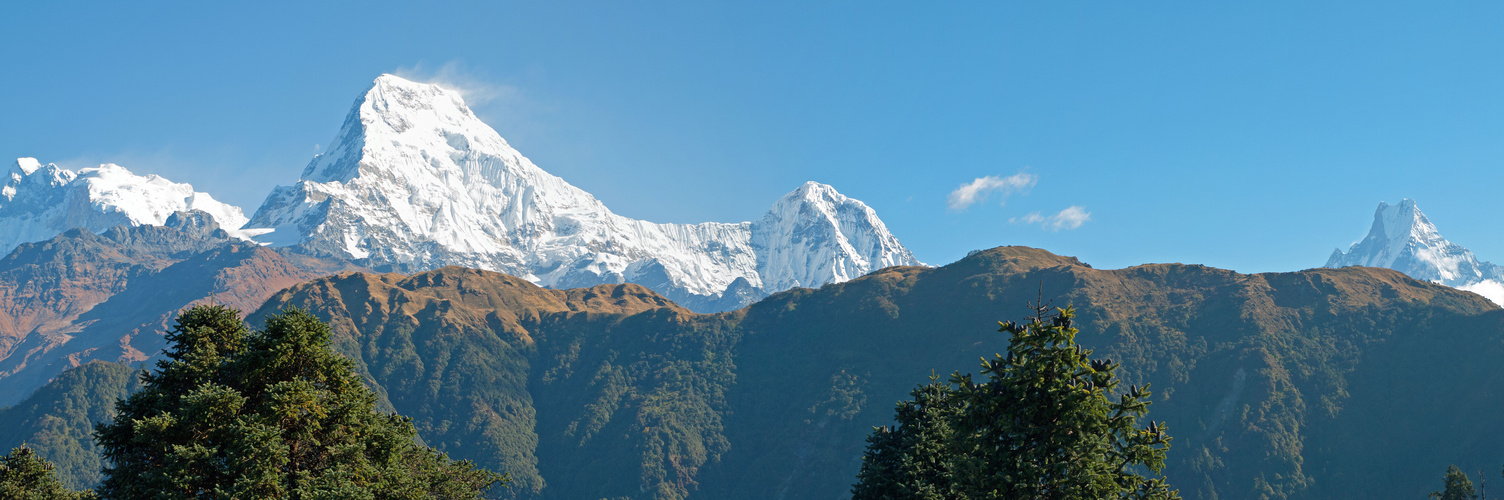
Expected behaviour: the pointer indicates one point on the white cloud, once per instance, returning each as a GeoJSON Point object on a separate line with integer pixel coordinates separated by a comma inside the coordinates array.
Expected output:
{"type": "Point", "coordinates": [977, 190]}
{"type": "Point", "coordinates": [1489, 289]}
{"type": "Point", "coordinates": [1070, 218]}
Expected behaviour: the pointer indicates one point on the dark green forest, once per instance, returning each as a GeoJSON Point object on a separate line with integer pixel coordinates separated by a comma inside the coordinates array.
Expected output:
{"type": "Point", "coordinates": [1044, 421]}
{"type": "Point", "coordinates": [1327, 383]}
{"type": "Point", "coordinates": [229, 412]}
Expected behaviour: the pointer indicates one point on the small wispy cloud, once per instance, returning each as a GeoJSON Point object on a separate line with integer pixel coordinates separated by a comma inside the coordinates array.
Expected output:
{"type": "Point", "coordinates": [979, 189]}
{"type": "Point", "coordinates": [454, 76]}
{"type": "Point", "coordinates": [1070, 218]}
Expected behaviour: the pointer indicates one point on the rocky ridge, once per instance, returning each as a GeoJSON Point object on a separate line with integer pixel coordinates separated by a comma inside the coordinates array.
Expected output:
{"type": "Point", "coordinates": [81, 296]}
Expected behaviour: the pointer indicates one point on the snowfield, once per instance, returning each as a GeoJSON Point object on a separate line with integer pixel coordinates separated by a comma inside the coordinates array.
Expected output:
{"type": "Point", "coordinates": [415, 181]}
{"type": "Point", "coordinates": [40, 201]}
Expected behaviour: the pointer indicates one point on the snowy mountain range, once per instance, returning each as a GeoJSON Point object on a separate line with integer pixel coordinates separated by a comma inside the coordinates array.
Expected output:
{"type": "Point", "coordinates": [1403, 239]}
{"type": "Point", "coordinates": [415, 181]}
{"type": "Point", "coordinates": [39, 201]}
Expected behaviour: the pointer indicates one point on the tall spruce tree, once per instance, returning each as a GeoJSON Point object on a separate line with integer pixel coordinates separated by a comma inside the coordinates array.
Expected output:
{"type": "Point", "coordinates": [26, 476]}
{"type": "Point", "coordinates": [1048, 423]}
{"type": "Point", "coordinates": [232, 413]}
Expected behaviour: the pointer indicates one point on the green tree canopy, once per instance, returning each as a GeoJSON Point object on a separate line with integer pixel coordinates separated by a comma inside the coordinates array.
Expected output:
{"type": "Point", "coordinates": [232, 413]}
{"type": "Point", "coordinates": [1048, 423]}
{"type": "Point", "coordinates": [26, 476]}
{"type": "Point", "coordinates": [1457, 487]}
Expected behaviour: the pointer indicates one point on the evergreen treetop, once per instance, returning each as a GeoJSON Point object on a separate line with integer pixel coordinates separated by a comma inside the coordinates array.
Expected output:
{"type": "Point", "coordinates": [233, 413]}
{"type": "Point", "coordinates": [1457, 486]}
{"type": "Point", "coordinates": [1045, 424]}
{"type": "Point", "coordinates": [26, 476]}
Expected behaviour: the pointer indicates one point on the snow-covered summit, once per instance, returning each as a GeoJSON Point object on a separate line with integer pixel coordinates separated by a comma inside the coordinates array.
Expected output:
{"type": "Point", "coordinates": [815, 235]}
{"type": "Point", "coordinates": [414, 181]}
{"type": "Point", "coordinates": [1403, 239]}
{"type": "Point", "coordinates": [40, 201]}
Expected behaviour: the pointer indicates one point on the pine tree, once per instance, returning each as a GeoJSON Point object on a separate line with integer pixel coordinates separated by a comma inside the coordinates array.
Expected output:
{"type": "Point", "coordinates": [914, 458]}
{"type": "Point", "coordinates": [1044, 425]}
{"type": "Point", "coordinates": [1457, 486]}
{"type": "Point", "coordinates": [26, 476]}
{"type": "Point", "coordinates": [232, 413]}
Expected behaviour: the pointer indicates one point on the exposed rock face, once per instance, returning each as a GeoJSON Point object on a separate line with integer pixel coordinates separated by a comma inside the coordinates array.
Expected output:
{"type": "Point", "coordinates": [415, 181]}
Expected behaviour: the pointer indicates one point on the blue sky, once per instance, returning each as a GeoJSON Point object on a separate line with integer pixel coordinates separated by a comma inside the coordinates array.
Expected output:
{"type": "Point", "coordinates": [1250, 136]}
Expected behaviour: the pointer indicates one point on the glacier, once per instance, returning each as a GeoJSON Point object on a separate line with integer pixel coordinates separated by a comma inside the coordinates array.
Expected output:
{"type": "Point", "coordinates": [40, 201]}
{"type": "Point", "coordinates": [1403, 239]}
{"type": "Point", "coordinates": [415, 181]}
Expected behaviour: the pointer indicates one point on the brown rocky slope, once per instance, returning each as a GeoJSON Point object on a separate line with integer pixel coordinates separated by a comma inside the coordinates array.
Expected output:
{"type": "Point", "coordinates": [82, 296]}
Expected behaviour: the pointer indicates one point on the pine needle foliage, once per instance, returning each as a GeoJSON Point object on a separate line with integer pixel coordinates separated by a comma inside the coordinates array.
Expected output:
{"type": "Point", "coordinates": [1048, 423]}
{"type": "Point", "coordinates": [275, 414]}
{"type": "Point", "coordinates": [26, 476]}
{"type": "Point", "coordinates": [1457, 486]}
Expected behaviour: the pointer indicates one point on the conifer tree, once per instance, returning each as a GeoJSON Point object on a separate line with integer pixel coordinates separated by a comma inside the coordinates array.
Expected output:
{"type": "Point", "coordinates": [1047, 423]}
{"type": "Point", "coordinates": [1457, 486]}
{"type": "Point", "coordinates": [26, 476]}
{"type": "Point", "coordinates": [232, 413]}
{"type": "Point", "coordinates": [913, 459]}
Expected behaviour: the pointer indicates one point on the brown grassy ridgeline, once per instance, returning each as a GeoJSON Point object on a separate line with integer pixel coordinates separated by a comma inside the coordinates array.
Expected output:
{"type": "Point", "coordinates": [1354, 382]}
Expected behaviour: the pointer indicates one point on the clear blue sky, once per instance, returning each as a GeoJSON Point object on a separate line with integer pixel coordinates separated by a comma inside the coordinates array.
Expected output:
{"type": "Point", "coordinates": [1243, 135]}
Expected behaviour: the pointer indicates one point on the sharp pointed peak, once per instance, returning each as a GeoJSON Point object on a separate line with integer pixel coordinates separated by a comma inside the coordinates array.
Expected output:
{"type": "Point", "coordinates": [28, 165]}
{"type": "Point", "coordinates": [391, 78]}
{"type": "Point", "coordinates": [388, 82]}
{"type": "Point", "coordinates": [1405, 204]}
{"type": "Point", "coordinates": [812, 191]}
{"type": "Point", "coordinates": [401, 102]}
{"type": "Point", "coordinates": [29, 168]}
{"type": "Point", "coordinates": [1402, 220]}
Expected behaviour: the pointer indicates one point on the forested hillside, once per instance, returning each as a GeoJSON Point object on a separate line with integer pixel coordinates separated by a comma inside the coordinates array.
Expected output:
{"type": "Point", "coordinates": [81, 296]}
{"type": "Point", "coordinates": [1354, 382]}
{"type": "Point", "coordinates": [58, 420]}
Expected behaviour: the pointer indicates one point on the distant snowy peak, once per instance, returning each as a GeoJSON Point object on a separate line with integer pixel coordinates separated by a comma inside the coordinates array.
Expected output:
{"type": "Point", "coordinates": [415, 181]}
{"type": "Point", "coordinates": [815, 235]}
{"type": "Point", "coordinates": [397, 118]}
{"type": "Point", "coordinates": [40, 201]}
{"type": "Point", "coordinates": [1403, 239]}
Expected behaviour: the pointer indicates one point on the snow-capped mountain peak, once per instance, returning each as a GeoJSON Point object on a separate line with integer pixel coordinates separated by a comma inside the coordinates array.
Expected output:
{"type": "Point", "coordinates": [414, 181]}
{"type": "Point", "coordinates": [1403, 239]}
{"type": "Point", "coordinates": [39, 201]}
{"type": "Point", "coordinates": [398, 116]}
{"type": "Point", "coordinates": [815, 235]}
{"type": "Point", "coordinates": [27, 165]}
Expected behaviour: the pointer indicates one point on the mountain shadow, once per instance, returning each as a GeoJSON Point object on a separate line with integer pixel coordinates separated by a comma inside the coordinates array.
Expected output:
{"type": "Point", "coordinates": [1352, 382]}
